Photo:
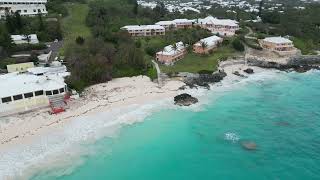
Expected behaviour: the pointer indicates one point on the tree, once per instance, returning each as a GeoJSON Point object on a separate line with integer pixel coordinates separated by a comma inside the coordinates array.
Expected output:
{"type": "Point", "coordinates": [204, 45]}
{"type": "Point", "coordinates": [135, 7]}
{"type": "Point", "coordinates": [34, 58]}
{"type": "Point", "coordinates": [18, 21]}
{"type": "Point", "coordinates": [5, 40]}
{"type": "Point", "coordinates": [237, 45]}
{"type": "Point", "coordinates": [80, 40]}
{"type": "Point", "coordinates": [41, 24]}
{"type": "Point", "coordinates": [174, 47]}
{"type": "Point", "coordinates": [260, 8]}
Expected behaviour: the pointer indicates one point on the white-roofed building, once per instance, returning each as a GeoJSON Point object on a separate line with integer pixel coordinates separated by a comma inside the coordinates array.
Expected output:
{"type": "Point", "coordinates": [37, 88]}
{"type": "Point", "coordinates": [25, 39]}
{"type": "Point", "coordinates": [167, 24]}
{"type": "Point", "coordinates": [223, 27]}
{"type": "Point", "coordinates": [183, 23]}
{"type": "Point", "coordinates": [144, 30]}
{"type": "Point", "coordinates": [171, 53]}
{"type": "Point", "coordinates": [205, 45]}
{"type": "Point", "coordinates": [280, 45]}
{"type": "Point", "coordinates": [24, 7]}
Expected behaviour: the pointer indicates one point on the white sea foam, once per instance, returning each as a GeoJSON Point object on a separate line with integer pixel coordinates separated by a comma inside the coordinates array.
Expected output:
{"type": "Point", "coordinates": [65, 145]}
{"type": "Point", "coordinates": [230, 136]}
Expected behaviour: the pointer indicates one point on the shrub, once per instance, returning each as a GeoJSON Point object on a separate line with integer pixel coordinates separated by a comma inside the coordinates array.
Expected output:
{"type": "Point", "coordinates": [237, 45]}
{"type": "Point", "coordinates": [80, 40]}
{"type": "Point", "coordinates": [29, 47]}
{"type": "Point", "coordinates": [205, 72]}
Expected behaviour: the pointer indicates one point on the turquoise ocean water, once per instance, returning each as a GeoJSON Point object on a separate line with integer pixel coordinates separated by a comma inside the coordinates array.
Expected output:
{"type": "Point", "coordinates": [281, 115]}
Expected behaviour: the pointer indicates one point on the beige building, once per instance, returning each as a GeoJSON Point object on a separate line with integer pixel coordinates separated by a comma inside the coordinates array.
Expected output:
{"type": "Point", "coordinates": [21, 67]}
{"type": "Point", "coordinates": [223, 27]}
{"type": "Point", "coordinates": [144, 30]}
{"type": "Point", "coordinates": [171, 54]}
{"type": "Point", "coordinates": [204, 46]}
{"type": "Point", "coordinates": [279, 45]}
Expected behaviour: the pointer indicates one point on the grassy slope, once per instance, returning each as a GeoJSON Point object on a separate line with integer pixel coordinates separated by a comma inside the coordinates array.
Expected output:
{"type": "Point", "coordinates": [194, 63]}
{"type": "Point", "coordinates": [74, 24]}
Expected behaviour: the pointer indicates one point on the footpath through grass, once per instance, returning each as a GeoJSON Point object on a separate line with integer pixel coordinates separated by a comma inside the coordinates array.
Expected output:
{"type": "Point", "coordinates": [194, 63]}
{"type": "Point", "coordinates": [74, 24]}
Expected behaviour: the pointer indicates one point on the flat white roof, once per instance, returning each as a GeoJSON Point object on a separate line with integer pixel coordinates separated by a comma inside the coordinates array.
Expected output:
{"type": "Point", "coordinates": [170, 51]}
{"type": "Point", "coordinates": [165, 23]}
{"type": "Point", "coordinates": [142, 27]}
{"type": "Point", "coordinates": [182, 21]}
{"type": "Point", "coordinates": [216, 21]}
{"type": "Point", "coordinates": [210, 41]}
{"type": "Point", "coordinates": [277, 40]}
{"type": "Point", "coordinates": [24, 37]}
{"type": "Point", "coordinates": [24, 1]}
{"type": "Point", "coordinates": [14, 83]}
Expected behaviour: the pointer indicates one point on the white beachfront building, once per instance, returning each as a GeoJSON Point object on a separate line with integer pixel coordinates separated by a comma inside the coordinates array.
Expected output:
{"type": "Point", "coordinates": [206, 45]}
{"type": "Point", "coordinates": [25, 39]}
{"type": "Point", "coordinates": [39, 87]}
{"type": "Point", "coordinates": [223, 27]}
{"type": "Point", "coordinates": [171, 54]}
{"type": "Point", "coordinates": [24, 7]}
{"type": "Point", "coordinates": [144, 30]}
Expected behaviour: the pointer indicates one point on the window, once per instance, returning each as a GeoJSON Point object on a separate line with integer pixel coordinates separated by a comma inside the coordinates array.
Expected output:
{"type": "Point", "coordinates": [48, 93]}
{"type": "Point", "coordinates": [55, 92]}
{"type": "Point", "coordinates": [17, 97]}
{"type": "Point", "coordinates": [28, 95]}
{"type": "Point", "coordinates": [38, 93]}
{"type": "Point", "coordinates": [6, 99]}
{"type": "Point", "coordinates": [61, 90]}
{"type": "Point", "coordinates": [25, 11]}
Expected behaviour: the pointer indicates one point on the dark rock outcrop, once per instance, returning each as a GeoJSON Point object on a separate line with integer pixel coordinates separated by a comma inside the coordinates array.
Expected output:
{"type": "Point", "coordinates": [204, 79]}
{"type": "Point", "coordinates": [248, 145]}
{"type": "Point", "coordinates": [249, 71]}
{"type": "Point", "coordinates": [238, 74]}
{"type": "Point", "coordinates": [185, 100]}
{"type": "Point", "coordinates": [298, 63]}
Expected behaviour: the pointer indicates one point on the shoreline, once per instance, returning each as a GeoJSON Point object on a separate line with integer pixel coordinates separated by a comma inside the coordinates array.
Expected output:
{"type": "Point", "coordinates": [138, 97]}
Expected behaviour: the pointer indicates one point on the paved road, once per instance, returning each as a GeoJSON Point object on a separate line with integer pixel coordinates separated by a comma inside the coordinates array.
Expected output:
{"type": "Point", "coordinates": [248, 36]}
{"type": "Point", "coordinates": [54, 47]}
{"type": "Point", "coordinates": [160, 81]}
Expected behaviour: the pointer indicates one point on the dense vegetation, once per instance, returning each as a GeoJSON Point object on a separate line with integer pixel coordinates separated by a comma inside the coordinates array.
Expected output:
{"type": "Point", "coordinates": [109, 52]}
{"type": "Point", "coordinates": [304, 25]}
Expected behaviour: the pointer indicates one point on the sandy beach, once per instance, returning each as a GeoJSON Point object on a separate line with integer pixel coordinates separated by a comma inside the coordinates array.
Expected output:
{"type": "Point", "coordinates": [107, 105]}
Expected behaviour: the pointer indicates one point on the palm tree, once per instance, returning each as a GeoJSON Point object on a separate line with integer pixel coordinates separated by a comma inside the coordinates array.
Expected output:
{"type": "Point", "coordinates": [204, 45]}
{"type": "Point", "coordinates": [174, 47]}
{"type": "Point", "coordinates": [153, 32]}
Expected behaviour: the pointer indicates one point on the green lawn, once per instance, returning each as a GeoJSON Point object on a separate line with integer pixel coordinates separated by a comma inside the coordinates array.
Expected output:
{"type": "Point", "coordinates": [74, 24]}
{"type": "Point", "coordinates": [306, 46]}
{"type": "Point", "coordinates": [194, 63]}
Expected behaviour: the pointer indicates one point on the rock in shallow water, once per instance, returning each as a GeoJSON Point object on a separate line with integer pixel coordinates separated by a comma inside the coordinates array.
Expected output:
{"type": "Point", "coordinates": [283, 123]}
{"type": "Point", "coordinates": [185, 100]}
{"type": "Point", "coordinates": [248, 145]}
{"type": "Point", "coordinates": [249, 71]}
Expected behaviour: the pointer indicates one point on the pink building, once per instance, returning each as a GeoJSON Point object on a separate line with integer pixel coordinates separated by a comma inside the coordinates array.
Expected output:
{"type": "Point", "coordinates": [144, 30]}
{"type": "Point", "coordinates": [279, 45]}
{"type": "Point", "coordinates": [183, 23]}
{"type": "Point", "coordinates": [223, 27]}
{"type": "Point", "coordinates": [204, 46]}
{"type": "Point", "coordinates": [168, 25]}
{"type": "Point", "coordinates": [171, 54]}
